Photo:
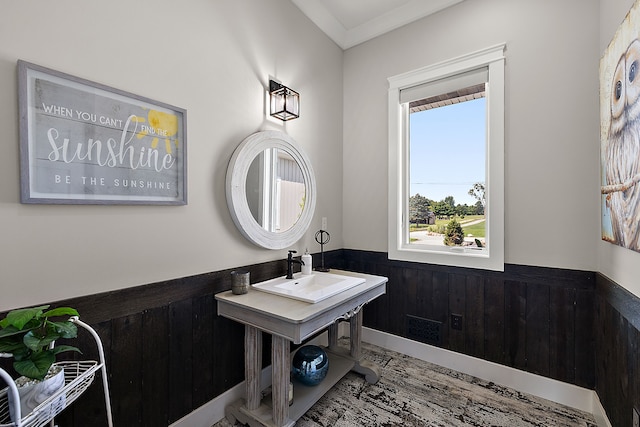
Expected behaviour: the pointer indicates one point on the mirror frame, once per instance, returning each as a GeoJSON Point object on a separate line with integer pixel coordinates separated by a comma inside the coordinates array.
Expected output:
{"type": "Point", "coordinates": [236, 189]}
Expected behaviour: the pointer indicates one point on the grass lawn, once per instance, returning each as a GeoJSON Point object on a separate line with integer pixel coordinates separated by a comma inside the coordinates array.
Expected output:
{"type": "Point", "coordinates": [477, 230]}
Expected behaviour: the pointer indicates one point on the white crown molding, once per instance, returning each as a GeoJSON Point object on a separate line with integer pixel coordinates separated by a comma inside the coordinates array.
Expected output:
{"type": "Point", "coordinates": [346, 38]}
{"type": "Point", "coordinates": [320, 16]}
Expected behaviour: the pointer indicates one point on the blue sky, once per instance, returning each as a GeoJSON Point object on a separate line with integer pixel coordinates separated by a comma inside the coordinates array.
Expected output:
{"type": "Point", "coordinates": [447, 154]}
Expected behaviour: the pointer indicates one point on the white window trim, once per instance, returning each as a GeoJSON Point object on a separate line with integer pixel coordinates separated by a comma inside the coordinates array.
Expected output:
{"type": "Point", "coordinates": [493, 258]}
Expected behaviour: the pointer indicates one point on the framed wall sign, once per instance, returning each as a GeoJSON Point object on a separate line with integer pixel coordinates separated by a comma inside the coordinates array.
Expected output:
{"type": "Point", "coordinates": [620, 134]}
{"type": "Point", "coordinates": [85, 143]}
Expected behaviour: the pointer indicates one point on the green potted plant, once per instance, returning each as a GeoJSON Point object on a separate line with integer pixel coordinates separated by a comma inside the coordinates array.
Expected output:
{"type": "Point", "coordinates": [27, 335]}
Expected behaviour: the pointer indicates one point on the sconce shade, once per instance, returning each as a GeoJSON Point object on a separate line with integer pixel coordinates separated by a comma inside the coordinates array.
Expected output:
{"type": "Point", "coordinates": [285, 103]}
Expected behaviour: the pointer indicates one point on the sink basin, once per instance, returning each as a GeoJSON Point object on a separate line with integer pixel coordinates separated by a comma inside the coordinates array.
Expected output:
{"type": "Point", "coordinates": [310, 288]}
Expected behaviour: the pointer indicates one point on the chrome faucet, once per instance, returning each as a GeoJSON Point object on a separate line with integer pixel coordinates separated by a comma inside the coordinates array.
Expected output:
{"type": "Point", "coordinates": [290, 262]}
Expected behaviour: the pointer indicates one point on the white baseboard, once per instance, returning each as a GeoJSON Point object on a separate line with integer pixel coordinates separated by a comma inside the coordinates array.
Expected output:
{"type": "Point", "coordinates": [599, 413]}
{"type": "Point", "coordinates": [546, 388]}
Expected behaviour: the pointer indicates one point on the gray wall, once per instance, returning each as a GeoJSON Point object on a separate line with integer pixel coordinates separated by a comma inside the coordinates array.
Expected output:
{"type": "Point", "coordinates": [213, 58]}
{"type": "Point", "coordinates": [551, 135]}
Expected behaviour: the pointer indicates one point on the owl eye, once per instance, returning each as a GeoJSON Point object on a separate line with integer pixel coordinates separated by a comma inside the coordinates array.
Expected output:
{"type": "Point", "coordinates": [632, 71]}
{"type": "Point", "coordinates": [618, 92]}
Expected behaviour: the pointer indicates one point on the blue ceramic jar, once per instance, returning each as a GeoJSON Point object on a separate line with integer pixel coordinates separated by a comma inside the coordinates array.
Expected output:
{"type": "Point", "coordinates": [310, 365]}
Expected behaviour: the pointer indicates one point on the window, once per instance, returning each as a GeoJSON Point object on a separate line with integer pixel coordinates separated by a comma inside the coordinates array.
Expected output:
{"type": "Point", "coordinates": [446, 162]}
{"type": "Point", "coordinates": [275, 190]}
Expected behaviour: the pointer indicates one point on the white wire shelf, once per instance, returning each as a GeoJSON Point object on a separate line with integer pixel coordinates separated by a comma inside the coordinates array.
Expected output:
{"type": "Point", "coordinates": [78, 376]}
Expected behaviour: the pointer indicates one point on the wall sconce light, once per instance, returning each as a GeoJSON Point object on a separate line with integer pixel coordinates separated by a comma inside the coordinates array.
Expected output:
{"type": "Point", "coordinates": [285, 103]}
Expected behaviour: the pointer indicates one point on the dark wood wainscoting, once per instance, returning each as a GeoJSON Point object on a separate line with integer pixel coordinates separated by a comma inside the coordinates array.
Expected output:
{"type": "Point", "coordinates": [168, 352]}
{"type": "Point", "coordinates": [535, 319]}
{"type": "Point", "coordinates": [617, 319]}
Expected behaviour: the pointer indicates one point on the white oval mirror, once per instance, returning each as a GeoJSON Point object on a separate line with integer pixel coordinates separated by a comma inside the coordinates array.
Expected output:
{"type": "Point", "coordinates": [271, 190]}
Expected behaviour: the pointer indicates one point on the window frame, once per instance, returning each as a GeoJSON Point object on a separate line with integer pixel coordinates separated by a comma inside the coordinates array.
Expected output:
{"type": "Point", "coordinates": [399, 247]}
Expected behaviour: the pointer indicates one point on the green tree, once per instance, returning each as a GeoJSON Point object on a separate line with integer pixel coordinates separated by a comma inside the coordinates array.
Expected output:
{"type": "Point", "coordinates": [479, 208]}
{"type": "Point", "coordinates": [462, 210]}
{"type": "Point", "coordinates": [478, 191]}
{"type": "Point", "coordinates": [419, 208]}
{"type": "Point", "coordinates": [453, 234]}
{"type": "Point", "coordinates": [443, 208]}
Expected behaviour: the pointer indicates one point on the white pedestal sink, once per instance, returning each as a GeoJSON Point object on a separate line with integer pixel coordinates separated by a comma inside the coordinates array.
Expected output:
{"type": "Point", "coordinates": [311, 288]}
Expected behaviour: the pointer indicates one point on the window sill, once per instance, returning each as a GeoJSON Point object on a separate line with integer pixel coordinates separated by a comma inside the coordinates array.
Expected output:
{"type": "Point", "coordinates": [468, 257]}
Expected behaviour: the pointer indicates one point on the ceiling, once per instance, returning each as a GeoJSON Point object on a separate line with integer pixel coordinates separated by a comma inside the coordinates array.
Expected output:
{"type": "Point", "coordinates": [351, 22]}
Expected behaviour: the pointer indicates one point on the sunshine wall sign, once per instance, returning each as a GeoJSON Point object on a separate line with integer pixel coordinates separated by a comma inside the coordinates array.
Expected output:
{"type": "Point", "coordinates": [620, 134]}
{"type": "Point", "coordinates": [85, 143]}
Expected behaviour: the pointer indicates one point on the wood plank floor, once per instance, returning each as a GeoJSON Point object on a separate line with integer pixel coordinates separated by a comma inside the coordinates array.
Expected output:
{"type": "Point", "coordinates": [412, 392]}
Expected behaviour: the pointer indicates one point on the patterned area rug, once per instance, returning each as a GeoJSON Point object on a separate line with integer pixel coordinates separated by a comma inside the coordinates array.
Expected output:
{"type": "Point", "coordinates": [412, 392]}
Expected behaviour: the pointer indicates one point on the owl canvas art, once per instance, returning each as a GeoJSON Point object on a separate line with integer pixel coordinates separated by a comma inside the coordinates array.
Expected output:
{"type": "Point", "coordinates": [620, 135]}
